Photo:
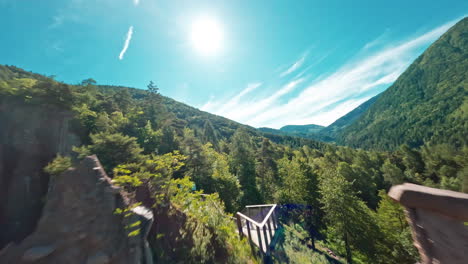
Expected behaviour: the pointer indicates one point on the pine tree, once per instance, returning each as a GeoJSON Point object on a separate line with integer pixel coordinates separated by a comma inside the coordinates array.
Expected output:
{"type": "Point", "coordinates": [111, 149]}
{"type": "Point", "coordinates": [267, 170]}
{"type": "Point", "coordinates": [396, 244]}
{"type": "Point", "coordinates": [391, 173]}
{"type": "Point", "coordinates": [209, 134]}
{"type": "Point", "coordinates": [242, 160]}
{"type": "Point", "coordinates": [197, 166]}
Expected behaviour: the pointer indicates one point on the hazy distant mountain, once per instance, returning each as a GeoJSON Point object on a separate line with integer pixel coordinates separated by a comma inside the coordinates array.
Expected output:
{"type": "Point", "coordinates": [302, 128]}
{"type": "Point", "coordinates": [303, 131]}
{"type": "Point", "coordinates": [293, 129]}
{"type": "Point", "coordinates": [316, 132]}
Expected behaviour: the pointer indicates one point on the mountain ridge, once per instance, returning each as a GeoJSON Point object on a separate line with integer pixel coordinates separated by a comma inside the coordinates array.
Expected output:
{"type": "Point", "coordinates": [428, 103]}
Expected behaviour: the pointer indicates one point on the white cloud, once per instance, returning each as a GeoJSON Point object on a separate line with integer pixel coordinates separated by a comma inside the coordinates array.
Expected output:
{"type": "Point", "coordinates": [230, 104]}
{"type": "Point", "coordinates": [377, 41]}
{"type": "Point", "coordinates": [296, 65]}
{"type": "Point", "coordinates": [136, 2]}
{"type": "Point", "coordinates": [324, 117]}
{"type": "Point", "coordinates": [327, 98]}
{"type": "Point", "coordinates": [241, 109]}
{"type": "Point", "coordinates": [127, 42]}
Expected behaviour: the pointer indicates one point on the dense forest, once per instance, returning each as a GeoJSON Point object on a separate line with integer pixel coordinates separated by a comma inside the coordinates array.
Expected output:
{"type": "Point", "coordinates": [207, 167]}
{"type": "Point", "coordinates": [428, 104]}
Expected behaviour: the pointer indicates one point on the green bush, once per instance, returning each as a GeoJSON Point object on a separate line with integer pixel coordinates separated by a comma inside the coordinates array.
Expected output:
{"type": "Point", "coordinates": [58, 165]}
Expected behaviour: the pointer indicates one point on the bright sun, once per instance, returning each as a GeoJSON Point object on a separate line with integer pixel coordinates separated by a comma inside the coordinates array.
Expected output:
{"type": "Point", "coordinates": [207, 36]}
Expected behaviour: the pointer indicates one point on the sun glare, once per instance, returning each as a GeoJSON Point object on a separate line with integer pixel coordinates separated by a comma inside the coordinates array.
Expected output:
{"type": "Point", "coordinates": [206, 36]}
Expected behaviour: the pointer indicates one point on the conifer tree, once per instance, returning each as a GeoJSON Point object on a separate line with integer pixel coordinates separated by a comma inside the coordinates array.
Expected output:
{"type": "Point", "coordinates": [243, 166]}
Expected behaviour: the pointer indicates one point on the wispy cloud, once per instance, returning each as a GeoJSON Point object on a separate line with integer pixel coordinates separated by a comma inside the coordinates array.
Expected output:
{"type": "Point", "coordinates": [296, 65]}
{"type": "Point", "coordinates": [136, 2]}
{"type": "Point", "coordinates": [231, 103]}
{"type": "Point", "coordinates": [56, 21]}
{"type": "Point", "coordinates": [74, 11]}
{"type": "Point", "coordinates": [127, 42]}
{"type": "Point", "coordinates": [240, 109]}
{"type": "Point", "coordinates": [325, 99]}
{"type": "Point", "coordinates": [377, 41]}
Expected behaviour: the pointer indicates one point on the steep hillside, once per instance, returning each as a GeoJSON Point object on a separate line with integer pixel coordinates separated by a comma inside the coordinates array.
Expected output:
{"type": "Point", "coordinates": [349, 118]}
{"type": "Point", "coordinates": [427, 104]}
{"type": "Point", "coordinates": [223, 128]}
{"type": "Point", "coordinates": [8, 72]}
{"type": "Point", "coordinates": [191, 116]}
{"type": "Point", "coordinates": [180, 114]}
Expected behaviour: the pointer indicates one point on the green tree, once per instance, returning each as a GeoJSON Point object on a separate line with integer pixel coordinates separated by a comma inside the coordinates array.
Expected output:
{"type": "Point", "coordinates": [295, 247]}
{"type": "Point", "coordinates": [362, 182]}
{"type": "Point", "coordinates": [391, 173]}
{"type": "Point", "coordinates": [348, 218]}
{"type": "Point", "coordinates": [396, 245]}
{"type": "Point", "coordinates": [242, 164]}
{"type": "Point", "coordinates": [153, 172]}
{"type": "Point", "coordinates": [168, 141]}
{"type": "Point", "coordinates": [123, 99]}
{"type": "Point", "coordinates": [223, 182]}
{"type": "Point", "coordinates": [149, 139]}
{"type": "Point", "coordinates": [197, 166]}
{"type": "Point", "coordinates": [89, 81]}
{"type": "Point", "coordinates": [103, 122]}
{"type": "Point", "coordinates": [86, 117]}
{"type": "Point", "coordinates": [294, 183]}
{"type": "Point", "coordinates": [212, 232]}
{"type": "Point", "coordinates": [267, 170]}
{"type": "Point", "coordinates": [111, 149]}
{"type": "Point", "coordinates": [58, 165]}
{"type": "Point", "coordinates": [152, 88]}
{"type": "Point", "coordinates": [209, 134]}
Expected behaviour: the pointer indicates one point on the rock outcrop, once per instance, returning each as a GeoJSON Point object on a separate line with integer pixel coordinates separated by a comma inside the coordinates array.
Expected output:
{"type": "Point", "coordinates": [30, 137]}
{"type": "Point", "coordinates": [79, 223]}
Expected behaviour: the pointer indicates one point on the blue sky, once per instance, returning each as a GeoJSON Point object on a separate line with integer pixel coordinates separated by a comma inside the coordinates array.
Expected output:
{"type": "Point", "coordinates": [276, 62]}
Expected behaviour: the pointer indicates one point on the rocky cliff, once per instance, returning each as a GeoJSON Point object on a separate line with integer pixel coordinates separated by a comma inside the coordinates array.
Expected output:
{"type": "Point", "coordinates": [79, 223]}
{"type": "Point", "coordinates": [30, 137]}
{"type": "Point", "coordinates": [67, 219]}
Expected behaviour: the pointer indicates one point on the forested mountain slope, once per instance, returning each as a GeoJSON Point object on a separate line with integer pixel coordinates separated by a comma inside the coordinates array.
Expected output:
{"type": "Point", "coordinates": [179, 115]}
{"type": "Point", "coordinates": [216, 127]}
{"type": "Point", "coordinates": [346, 120]}
{"type": "Point", "coordinates": [427, 104]}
